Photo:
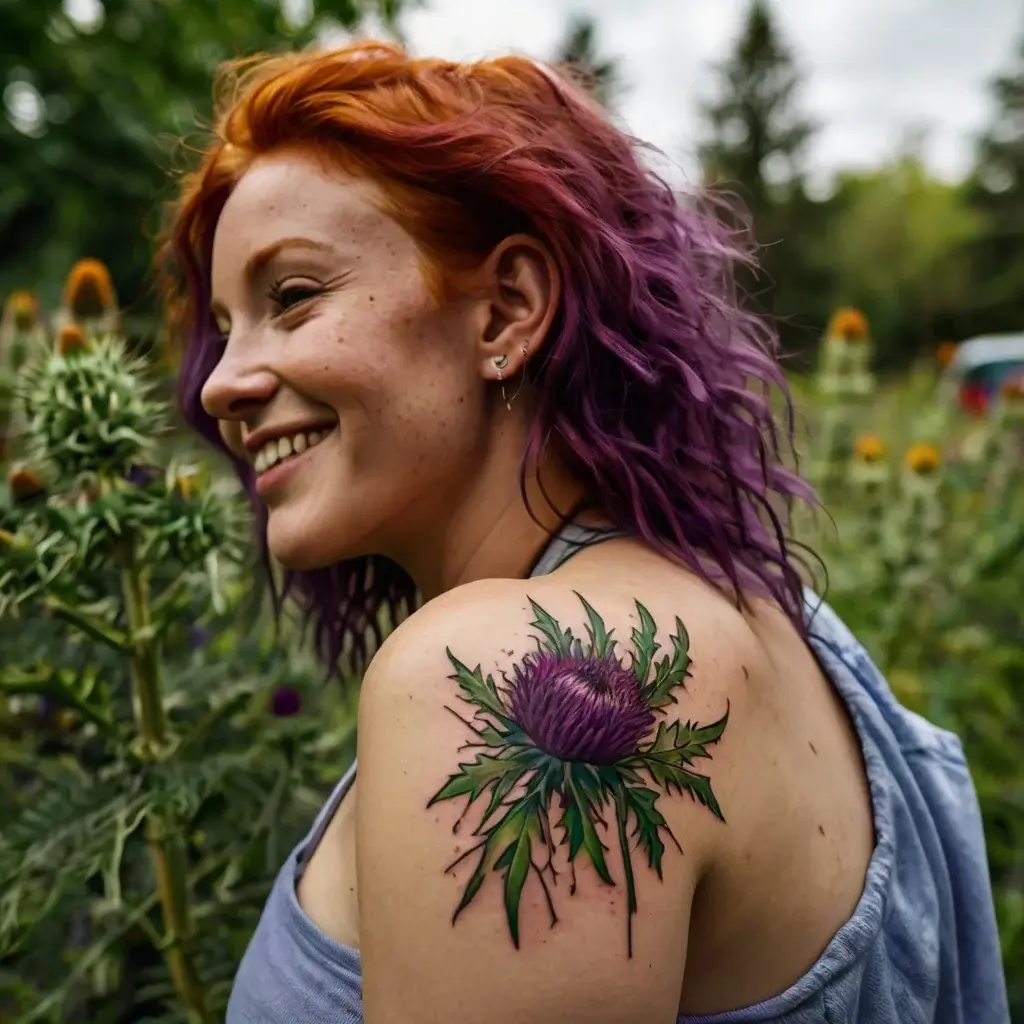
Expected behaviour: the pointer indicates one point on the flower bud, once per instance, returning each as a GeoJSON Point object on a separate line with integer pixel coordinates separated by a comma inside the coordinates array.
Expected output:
{"type": "Point", "coordinates": [89, 291]}
{"type": "Point", "coordinates": [70, 339]}
{"type": "Point", "coordinates": [25, 484]}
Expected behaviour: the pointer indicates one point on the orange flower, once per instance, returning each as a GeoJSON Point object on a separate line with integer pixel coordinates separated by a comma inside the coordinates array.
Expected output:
{"type": "Point", "coordinates": [1013, 387]}
{"type": "Point", "coordinates": [89, 291]}
{"type": "Point", "coordinates": [869, 448]}
{"type": "Point", "coordinates": [923, 458]}
{"type": "Point", "coordinates": [946, 353]}
{"type": "Point", "coordinates": [70, 339]}
{"type": "Point", "coordinates": [849, 324]}
{"type": "Point", "coordinates": [23, 308]}
{"type": "Point", "coordinates": [24, 483]}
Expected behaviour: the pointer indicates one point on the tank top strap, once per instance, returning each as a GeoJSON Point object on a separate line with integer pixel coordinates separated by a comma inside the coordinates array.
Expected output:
{"type": "Point", "coordinates": [570, 540]}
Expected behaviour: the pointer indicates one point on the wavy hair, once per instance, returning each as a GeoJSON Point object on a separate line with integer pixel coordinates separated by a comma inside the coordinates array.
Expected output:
{"type": "Point", "coordinates": [655, 382]}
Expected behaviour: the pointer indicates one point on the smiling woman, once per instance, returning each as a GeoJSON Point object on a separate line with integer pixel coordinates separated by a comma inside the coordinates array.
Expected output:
{"type": "Point", "coordinates": [463, 348]}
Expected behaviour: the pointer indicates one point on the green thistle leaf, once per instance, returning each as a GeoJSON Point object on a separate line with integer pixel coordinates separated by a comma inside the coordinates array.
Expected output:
{"type": "Point", "coordinates": [649, 821]}
{"type": "Point", "coordinates": [475, 688]}
{"type": "Point", "coordinates": [583, 800]}
{"type": "Point", "coordinates": [558, 641]}
{"type": "Point", "coordinates": [675, 746]}
{"type": "Point", "coordinates": [516, 863]}
{"type": "Point", "coordinates": [601, 642]}
{"type": "Point", "coordinates": [472, 778]}
{"type": "Point", "coordinates": [670, 671]}
{"type": "Point", "coordinates": [644, 644]}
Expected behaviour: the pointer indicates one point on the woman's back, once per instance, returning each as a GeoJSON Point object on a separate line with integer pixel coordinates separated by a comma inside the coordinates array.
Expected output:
{"type": "Point", "coordinates": [781, 919]}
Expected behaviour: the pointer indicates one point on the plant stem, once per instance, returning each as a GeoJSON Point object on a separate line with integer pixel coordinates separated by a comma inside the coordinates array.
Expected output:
{"type": "Point", "coordinates": [166, 846]}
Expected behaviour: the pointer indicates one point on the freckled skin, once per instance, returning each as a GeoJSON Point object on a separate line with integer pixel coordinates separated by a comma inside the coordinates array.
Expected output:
{"type": "Point", "coordinates": [371, 350]}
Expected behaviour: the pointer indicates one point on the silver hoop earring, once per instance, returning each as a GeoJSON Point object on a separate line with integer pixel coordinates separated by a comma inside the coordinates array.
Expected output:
{"type": "Point", "coordinates": [508, 404]}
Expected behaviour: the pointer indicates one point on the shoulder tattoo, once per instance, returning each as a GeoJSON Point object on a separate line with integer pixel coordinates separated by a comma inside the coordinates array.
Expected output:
{"type": "Point", "coordinates": [573, 745]}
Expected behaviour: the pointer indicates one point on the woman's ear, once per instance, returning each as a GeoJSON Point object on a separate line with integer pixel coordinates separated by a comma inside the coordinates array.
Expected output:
{"type": "Point", "coordinates": [522, 289]}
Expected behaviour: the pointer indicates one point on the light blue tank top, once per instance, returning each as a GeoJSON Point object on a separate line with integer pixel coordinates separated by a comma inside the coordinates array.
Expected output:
{"type": "Point", "coordinates": [920, 948]}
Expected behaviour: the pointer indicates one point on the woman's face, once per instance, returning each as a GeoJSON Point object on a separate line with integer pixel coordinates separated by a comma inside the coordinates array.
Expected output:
{"type": "Point", "coordinates": [361, 404]}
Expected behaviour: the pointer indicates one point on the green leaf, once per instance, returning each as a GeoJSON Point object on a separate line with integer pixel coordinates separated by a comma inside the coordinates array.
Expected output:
{"type": "Point", "coordinates": [648, 819]}
{"type": "Point", "coordinates": [644, 644]}
{"type": "Point", "coordinates": [475, 688]}
{"type": "Point", "coordinates": [577, 820]}
{"type": "Point", "coordinates": [601, 642]}
{"type": "Point", "coordinates": [670, 671]}
{"type": "Point", "coordinates": [675, 746]}
{"type": "Point", "coordinates": [558, 641]}
{"type": "Point", "coordinates": [474, 777]}
{"type": "Point", "coordinates": [516, 862]}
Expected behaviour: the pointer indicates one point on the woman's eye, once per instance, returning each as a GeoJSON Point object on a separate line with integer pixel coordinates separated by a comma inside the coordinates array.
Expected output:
{"type": "Point", "coordinates": [287, 297]}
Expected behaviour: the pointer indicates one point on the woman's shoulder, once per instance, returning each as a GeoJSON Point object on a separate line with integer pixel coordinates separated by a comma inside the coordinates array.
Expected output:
{"type": "Point", "coordinates": [546, 769]}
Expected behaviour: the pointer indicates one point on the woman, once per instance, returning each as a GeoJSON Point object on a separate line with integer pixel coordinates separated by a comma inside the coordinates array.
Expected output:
{"type": "Point", "coordinates": [463, 347]}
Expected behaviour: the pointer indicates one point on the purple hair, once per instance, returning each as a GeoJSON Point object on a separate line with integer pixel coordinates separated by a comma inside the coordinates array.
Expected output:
{"type": "Point", "coordinates": [655, 382]}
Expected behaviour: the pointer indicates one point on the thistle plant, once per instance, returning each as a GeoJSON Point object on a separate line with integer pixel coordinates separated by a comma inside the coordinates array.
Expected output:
{"type": "Point", "coordinates": [143, 847]}
{"type": "Point", "coordinates": [845, 383]}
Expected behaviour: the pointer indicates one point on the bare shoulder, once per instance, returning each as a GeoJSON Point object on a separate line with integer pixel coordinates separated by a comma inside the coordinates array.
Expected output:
{"type": "Point", "coordinates": [539, 793]}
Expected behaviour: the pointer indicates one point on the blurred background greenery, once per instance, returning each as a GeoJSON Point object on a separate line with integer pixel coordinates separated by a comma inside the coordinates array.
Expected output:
{"type": "Point", "coordinates": [924, 550]}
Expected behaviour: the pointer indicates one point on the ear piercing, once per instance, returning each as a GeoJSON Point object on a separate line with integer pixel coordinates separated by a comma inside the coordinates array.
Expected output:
{"type": "Point", "coordinates": [500, 362]}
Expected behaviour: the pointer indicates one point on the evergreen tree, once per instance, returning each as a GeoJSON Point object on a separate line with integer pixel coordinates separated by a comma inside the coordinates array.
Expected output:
{"type": "Point", "coordinates": [578, 50]}
{"type": "Point", "coordinates": [997, 192]}
{"type": "Point", "coordinates": [753, 146]}
{"type": "Point", "coordinates": [756, 135]}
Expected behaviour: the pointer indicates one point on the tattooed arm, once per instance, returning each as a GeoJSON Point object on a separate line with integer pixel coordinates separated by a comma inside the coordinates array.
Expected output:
{"type": "Point", "coordinates": [534, 812]}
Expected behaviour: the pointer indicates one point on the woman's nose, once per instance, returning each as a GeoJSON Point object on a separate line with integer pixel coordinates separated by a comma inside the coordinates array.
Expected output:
{"type": "Point", "coordinates": [235, 390]}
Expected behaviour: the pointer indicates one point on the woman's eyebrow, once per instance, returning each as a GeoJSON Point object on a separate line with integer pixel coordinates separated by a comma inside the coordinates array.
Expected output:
{"type": "Point", "coordinates": [259, 260]}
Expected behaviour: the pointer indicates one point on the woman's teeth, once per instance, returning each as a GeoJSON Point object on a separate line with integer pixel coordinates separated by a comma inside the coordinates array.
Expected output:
{"type": "Point", "coordinates": [282, 448]}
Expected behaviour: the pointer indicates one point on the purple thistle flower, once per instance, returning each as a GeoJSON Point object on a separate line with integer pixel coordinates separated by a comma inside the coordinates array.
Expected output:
{"type": "Point", "coordinates": [142, 475]}
{"type": "Point", "coordinates": [286, 702]}
{"type": "Point", "coordinates": [579, 708]}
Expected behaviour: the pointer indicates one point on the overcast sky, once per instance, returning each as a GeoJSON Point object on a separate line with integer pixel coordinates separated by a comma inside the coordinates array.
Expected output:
{"type": "Point", "coordinates": [874, 67]}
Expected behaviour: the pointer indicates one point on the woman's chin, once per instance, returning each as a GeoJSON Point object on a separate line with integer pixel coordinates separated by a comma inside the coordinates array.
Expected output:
{"type": "Point", "coordinates": [301, 546]}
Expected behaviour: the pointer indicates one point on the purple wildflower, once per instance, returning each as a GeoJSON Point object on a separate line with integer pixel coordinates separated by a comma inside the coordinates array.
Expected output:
{"type": "Point", "coordinates": [198, 637]}
{"type": "Point", "coordinates": [142, 475]}
{"type": "Point", "coordinates": [579, 708]}
{"type": "Point", "coordinates": [286, 702]}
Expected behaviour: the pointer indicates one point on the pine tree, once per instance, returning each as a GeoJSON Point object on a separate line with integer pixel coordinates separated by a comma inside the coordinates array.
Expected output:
{"type": "Point", "coordinates": [578, 50]}
{"type": "Point", "coordinates": [753, 147]}
{"type": "Point", "coordinates": [755, 134]}
{"type": "Point", "coordinates": [997, 192]}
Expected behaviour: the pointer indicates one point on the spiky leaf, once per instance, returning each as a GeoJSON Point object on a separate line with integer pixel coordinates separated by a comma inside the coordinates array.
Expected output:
{"type": "Point", "coordinates": [556, 640]}
{"type": "Point", "coordinates": [601, 642]}
{"type": "Point", "coordinates": [476, 689]}
{"type": "Point", "coordinates": [671, 670]}
{"type": "Point", "coordinates": [644, 644]}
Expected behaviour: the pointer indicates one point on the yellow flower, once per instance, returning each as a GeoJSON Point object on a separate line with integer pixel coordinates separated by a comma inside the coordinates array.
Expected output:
{"type": "Point", "coordinates": [923, 458]}
{"type": "Point", "coordinates": [869, 448]}
{"type": "Point", "coordinates": [187, 485]}
{"type": "Point", "coordinates": [70, 339]}
{"type": "Point", "coordinates": [89, 291]}
{"type": "Point", "coordinates": [946, 353]}
{"type": "Point", "coordinates": [849, 324]}
{"type": "Point", "coordinates": [23, 309]}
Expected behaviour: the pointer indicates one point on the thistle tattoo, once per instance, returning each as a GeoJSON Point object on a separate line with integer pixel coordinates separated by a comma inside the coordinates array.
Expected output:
{"type": "Point", "coordinates": [572, 729]}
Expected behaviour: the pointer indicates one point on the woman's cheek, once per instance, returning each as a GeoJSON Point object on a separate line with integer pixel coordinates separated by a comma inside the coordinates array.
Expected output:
{"type": "Point", "coordinates": [231, 434]}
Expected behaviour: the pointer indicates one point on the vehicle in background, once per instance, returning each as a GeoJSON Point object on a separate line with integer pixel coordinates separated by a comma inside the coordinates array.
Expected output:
{"type": "Point", "coordinates": [981, 366]}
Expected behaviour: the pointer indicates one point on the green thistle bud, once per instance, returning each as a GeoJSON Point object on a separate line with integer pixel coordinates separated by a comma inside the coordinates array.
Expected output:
{"type": "Point", "coordinates": [90, 410]}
